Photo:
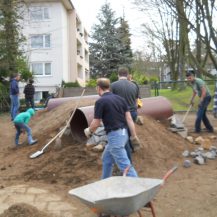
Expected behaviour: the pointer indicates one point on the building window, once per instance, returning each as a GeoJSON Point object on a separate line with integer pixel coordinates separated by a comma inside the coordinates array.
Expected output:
{"type": "Point", "coordinates": [41, 69]}
{"type": "Point", "coordinates": [39, 13]}
{"type": "Point", "coordinates": [40, 41]}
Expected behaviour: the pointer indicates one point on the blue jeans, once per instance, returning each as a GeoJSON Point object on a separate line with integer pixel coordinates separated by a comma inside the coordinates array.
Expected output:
{"type": "Point", "coordinates": [115, 153]}
{"type": "Point", "coordinates": [19, 128]}
{"type": "Point", "coordinates": [15, 104]}
{"type": "Point", "coordinates": [201, 115]}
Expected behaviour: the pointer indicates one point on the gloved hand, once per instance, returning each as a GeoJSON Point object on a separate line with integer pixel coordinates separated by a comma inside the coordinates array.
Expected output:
{"type": "Point", "coordinates": [87, 132]}
{"type": "Point", "coordinates": [135, 143]}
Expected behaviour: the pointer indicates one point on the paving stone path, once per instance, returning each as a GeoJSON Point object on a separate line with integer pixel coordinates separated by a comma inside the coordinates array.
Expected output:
{"type": "Point", "coordinates": [42, 199]}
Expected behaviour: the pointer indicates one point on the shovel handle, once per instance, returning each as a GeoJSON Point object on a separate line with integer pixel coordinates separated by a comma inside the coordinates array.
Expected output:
{"type": "Point", "coordinates": [186, 114]}
{"type": "Point", "coordinates": [68, 122]}
{"type": "Point", "coordinates": [72, 115]}
{"type": "Point", "coordinates": [170, 172]}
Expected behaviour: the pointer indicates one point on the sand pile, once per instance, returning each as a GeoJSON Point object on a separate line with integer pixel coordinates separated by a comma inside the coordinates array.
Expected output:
{"type": "Point", "coordinates": [23, 210]}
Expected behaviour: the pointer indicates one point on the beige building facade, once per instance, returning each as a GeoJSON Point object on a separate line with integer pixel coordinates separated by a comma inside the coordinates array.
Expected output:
{"type": "Point", "coordinates": [57, 48]}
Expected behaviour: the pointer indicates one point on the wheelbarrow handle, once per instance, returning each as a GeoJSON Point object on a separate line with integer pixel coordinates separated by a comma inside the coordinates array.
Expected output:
{"type": "Point", "coordinates": [170, 172]}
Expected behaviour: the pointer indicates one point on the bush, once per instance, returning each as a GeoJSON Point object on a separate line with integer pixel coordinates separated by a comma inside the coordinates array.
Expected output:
{"type": "Point", "coordinates": [70, 84]}
{"type": "Point", "coordinates": [153, 79]}
{"type": "Point", "coordinates": [91, 83]}
{"type": "Point", "coordinates": [140, 78]}
{"type": "Point", "coordinates": [113, 77]}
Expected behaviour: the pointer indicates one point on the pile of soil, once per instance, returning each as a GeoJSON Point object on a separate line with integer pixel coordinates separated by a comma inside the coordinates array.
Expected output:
{"type": "Point", "coordinates": [23, 210]}
{"type": "Point", "coordinates": [72, 165]}
{"type": "Point", "coordinates": [46, 124]}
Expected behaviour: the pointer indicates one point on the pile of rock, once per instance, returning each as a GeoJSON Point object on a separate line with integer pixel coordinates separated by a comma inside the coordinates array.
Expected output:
{"type": "Point", "coordinates": [200, 155]}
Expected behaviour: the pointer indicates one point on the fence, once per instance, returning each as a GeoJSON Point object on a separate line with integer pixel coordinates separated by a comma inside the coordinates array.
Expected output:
{"type": "Point", "coordinates": [145, 91]}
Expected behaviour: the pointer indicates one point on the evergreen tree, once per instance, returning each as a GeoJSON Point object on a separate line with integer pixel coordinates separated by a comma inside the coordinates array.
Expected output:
{"type": "Point", "coordinates": [125, 52]}
{"type": "Point", "coordinates": [105, 46]}
{"type": "Point", "coordinates": [11, 39]}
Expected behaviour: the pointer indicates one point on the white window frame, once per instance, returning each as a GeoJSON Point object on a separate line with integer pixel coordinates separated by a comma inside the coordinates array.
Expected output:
{"type": "Point", "coordinates": [43, 69]}
{"type": "Point", "coordinates": [44, 16]}
{"type": "Point", "coordinates": [43, 46]}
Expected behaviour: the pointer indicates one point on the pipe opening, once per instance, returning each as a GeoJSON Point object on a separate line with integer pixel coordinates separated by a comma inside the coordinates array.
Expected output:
{"type": "Point", "coordinates": [78, 124]}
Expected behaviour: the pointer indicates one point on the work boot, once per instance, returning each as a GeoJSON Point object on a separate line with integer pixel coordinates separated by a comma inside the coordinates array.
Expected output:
{"type": "Point", "coordinates": [33, 142]}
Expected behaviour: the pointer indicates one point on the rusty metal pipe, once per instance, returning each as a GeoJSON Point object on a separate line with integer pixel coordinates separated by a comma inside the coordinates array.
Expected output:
{"type": "Point", "coordinates": [54, 102]}
{"type": "Point", "coordinates": [156, 107]}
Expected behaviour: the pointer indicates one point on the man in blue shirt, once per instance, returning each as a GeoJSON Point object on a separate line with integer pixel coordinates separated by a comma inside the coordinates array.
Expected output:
{"type": "Point", "coordinates": [113, 111]}
{"type": "Point", "coordinates": [14, 95]}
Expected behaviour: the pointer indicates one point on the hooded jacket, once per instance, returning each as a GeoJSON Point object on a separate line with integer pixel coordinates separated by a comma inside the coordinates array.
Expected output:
{"type": "Point", "coordinates": [24, 117]}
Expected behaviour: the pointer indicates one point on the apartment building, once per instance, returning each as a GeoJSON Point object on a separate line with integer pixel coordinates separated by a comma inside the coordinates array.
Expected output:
{"type": "Point", "coordinates": [57, 48]}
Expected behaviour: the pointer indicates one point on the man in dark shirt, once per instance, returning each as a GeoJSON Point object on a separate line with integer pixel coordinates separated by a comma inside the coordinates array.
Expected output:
{"type": "Point", "coordinates": [112, 110]}
{"type": "Point", "coordinates": [130, 92]}
{"type": "Point", "coordinates": [126, 89]}
{"type": "Point", "coordinates": [14, 95]}
{"type": "Point", "coordinates": [29, 92]}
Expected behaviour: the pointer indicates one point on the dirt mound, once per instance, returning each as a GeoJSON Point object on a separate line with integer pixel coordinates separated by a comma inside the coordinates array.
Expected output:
{"type": "Point", "coordinates": [47, 123]}
{"type": "Point", "coordinates": [161, 148]}
{"type": "Point", "coordinates": [73, 165]}
{"type": "Point", "coordinates": [23, 210]}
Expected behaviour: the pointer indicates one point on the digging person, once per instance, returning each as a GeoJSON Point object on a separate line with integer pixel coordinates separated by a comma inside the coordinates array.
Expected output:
{"type": "Point", "coordinates": [200, 88]}
{"type": "Point", "coordinates": [21, 124]}
{"type": "Point", "coordinates": [113, 111]}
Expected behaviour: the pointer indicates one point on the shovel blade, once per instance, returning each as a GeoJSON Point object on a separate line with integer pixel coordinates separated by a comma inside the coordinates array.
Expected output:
{"type": "Point", "coordinates": [36, 154]}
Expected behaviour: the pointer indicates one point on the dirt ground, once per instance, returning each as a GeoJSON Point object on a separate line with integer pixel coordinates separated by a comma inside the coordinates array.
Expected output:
{"type": "Point", "coordinates": [189, 192]}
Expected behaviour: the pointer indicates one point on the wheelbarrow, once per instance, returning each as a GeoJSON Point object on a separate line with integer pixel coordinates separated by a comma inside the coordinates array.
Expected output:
{"type": "Point", "coordinates": [120, 195]}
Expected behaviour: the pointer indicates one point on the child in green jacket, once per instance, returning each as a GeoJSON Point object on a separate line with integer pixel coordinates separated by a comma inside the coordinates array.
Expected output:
{"type": "Point", "coordinates": [21, 123]}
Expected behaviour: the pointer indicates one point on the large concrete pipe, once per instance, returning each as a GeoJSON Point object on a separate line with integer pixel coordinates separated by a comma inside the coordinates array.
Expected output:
{"type": "Point", "coordinates": [156, 107]}
{"type": "Point", "coordinates": [54, 102]}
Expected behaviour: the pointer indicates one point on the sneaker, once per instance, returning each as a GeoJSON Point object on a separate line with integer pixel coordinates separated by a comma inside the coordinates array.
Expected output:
{"type": "Point", "coordinates": [34, 142]}
{"type": "Point", "coordinates": [18, 144]}
{"type": "Point", "coordinates": [208, 130]}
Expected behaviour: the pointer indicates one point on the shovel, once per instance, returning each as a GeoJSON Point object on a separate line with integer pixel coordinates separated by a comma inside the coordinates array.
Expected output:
{"type": "Point", "coordinates": [186, 114]}
{"type": "Point", "coordinates": [40, 152]}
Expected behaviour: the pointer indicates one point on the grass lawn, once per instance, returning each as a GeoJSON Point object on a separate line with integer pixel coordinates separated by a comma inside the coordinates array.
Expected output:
{"type": "Point", "coordinates": [180, 98]}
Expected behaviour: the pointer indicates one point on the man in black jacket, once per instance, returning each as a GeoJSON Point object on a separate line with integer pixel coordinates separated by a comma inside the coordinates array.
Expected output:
{"type": "Point", "coordinates": [29, 92]}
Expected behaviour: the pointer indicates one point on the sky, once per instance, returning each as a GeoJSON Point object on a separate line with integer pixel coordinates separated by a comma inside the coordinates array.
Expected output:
{"type": "Point", "coordinates": [88, 11]}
